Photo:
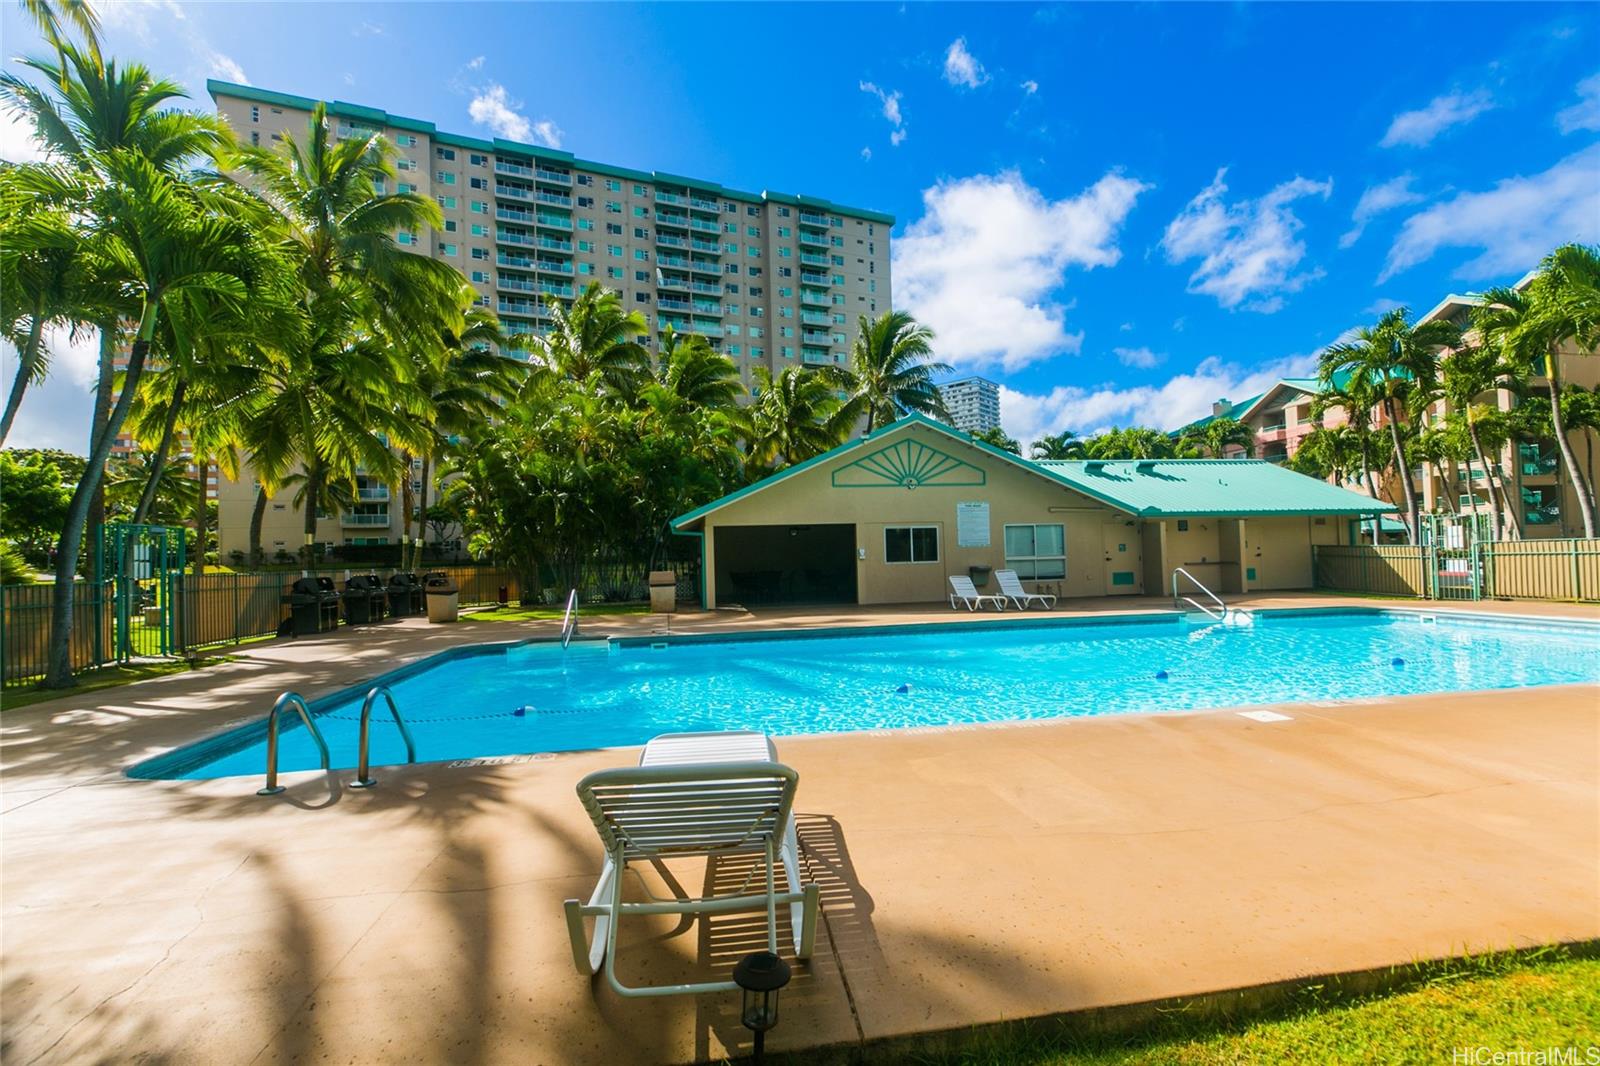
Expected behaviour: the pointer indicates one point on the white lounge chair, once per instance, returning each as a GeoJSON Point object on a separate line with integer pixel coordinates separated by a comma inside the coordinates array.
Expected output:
{"type": "Point", "coordinates": [721, 803]}
{"type": "Point", "coordinates": [1011, 586]}
{"type": "Point", "coordinates": [962, 589]}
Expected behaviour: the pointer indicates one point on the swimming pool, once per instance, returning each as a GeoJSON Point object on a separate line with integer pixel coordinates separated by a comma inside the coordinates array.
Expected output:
{"type": "Point", "coordinates": [535, 697]}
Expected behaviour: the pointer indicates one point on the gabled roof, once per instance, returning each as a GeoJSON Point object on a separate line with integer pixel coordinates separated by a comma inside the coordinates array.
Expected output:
{"type": "Point", "coordinates": [1232, 488]}
{"type": "Point", "coordinates": [1142, 487]}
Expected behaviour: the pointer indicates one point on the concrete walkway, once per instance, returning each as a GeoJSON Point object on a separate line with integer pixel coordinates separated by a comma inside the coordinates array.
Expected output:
{"type": "Point", "coordinates": [969, 874]}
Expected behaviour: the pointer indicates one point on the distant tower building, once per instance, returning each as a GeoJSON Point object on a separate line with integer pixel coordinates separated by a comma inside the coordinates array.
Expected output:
{"type": "Point", "coordinates": [974, 404]}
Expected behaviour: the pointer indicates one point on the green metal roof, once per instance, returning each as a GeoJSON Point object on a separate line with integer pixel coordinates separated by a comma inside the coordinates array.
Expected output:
{"type": "Point", "coordinates": [1234, 488]}
{"type": "Point", "coordinates": [1145, 487]}
{"type": "Point", "coordinates": [1233, 411]}
{"type": "Point", "coordinates": [376, 115]}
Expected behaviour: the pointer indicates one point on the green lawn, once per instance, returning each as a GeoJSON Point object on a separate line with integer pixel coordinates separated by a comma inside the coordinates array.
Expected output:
{"type": "Point", "coordinates": [542, 614]}
{"type": "Point", "coordinates": [104, 677]}
{"type": "Point", "coordinates": [1541, 999]}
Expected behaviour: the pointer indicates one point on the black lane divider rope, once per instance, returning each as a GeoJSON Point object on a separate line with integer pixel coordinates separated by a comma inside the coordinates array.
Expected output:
{"type": "Point", "coordinates": [519, 712]}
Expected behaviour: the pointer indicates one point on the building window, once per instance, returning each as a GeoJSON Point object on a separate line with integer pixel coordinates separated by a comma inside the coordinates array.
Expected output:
{"type": "Point", "coordinates": [638, 190]}
{"type": "Point", "coordinates": [447, 154]}
{"type": "Point", "coordinates": [1036, 552]}
{"type": "Point", "coordinates": [447, 249]}
{"type": "Point", "coordinates": [255, 114]}
{"type": "Point", "coordinates": [479, 183]}
{"type": "Point", "coordinates": [613, 206]}
{"type": "Point", "coordinates": [911, 544]}
{"type": "Point", "coordinates": [613, 185]}
{"type": "Point", "coordinates": [585, 201]}
{"type": "Point", "coordinates": [447, 202]}
{"type": "Point", "coordinates": [255, 138]}
{"type": "Point", "coordinates": [479, 207]}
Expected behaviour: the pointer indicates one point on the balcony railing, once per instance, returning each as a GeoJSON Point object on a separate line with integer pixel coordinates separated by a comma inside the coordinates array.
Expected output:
{"type": "Point", "coordinates": [514, 261]}
{"type": "Point", "coordinates": [815, 279]}
{"type": "Point", "coordinates": [511, 214]}
{"type": "Point", "coordinates": [667, 219]}
{"type": "Point", "coordinates": [708, 307]}
{"type": "Point", "coordinates": [704, 225]}
{"type": "Point", "coordinates": [556, 198]}
{"type": "Point", "coordinates": [700, 204]}
{"type": "Point", "coordinates": [709, 329]}
{"type": "Point", "coordinates": [555, 177]}
{"type": "Point", "coordinates": [705, 246]}
{"type": "Point", "coordinates": [705, 266]}
{"type": "Point", "coordinates": [669, 198]}
{"type": "Point", "coordinates": [816, 356]}
{"type": "Point", "coordinates": [553, 221]}
{"type": "Point", "coordinates": [701, 286]}
{"type": "Point", "coordinates": [813, 260]}
{"type": "Point", "coordinates": [509, 237]}
{"type": "Point", "coordinates": [808, 219]}
{"type": "Point", "coordinates": [672, 303]}
{"type": "Point", "coordinates": [814, 238]}
{"type": "Point", "coordinates": [516, 192]}
{"type": "Point", "coordinates": [816, 318]}
{"type": "Point", "coordinates": [350, 518]}
{"type": "Point", "coordinates": [672, 260]}
{"type": "Point", "coordinates": [555, 244]}
{"type": "Point", "coordinates": [813, 337]}
{"type": "Point", "coordinates": [379, 493]}
{"type": "Point", "coordinates": [666, 282]}
{"type": "Point", "coordinates": [814, 298]}
{"type": "Point", "coordinates": [516, 284]}
{"type": "Point", "coordinates": [505, 166]}
{"type": "Point", "coordinates": [552, 266]}
{"type": "Point", "coordinates": [667, 240]}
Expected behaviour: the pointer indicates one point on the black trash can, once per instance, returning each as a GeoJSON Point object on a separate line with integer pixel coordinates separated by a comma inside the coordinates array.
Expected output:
{"type": "Point", "coordinates": [313, 605]}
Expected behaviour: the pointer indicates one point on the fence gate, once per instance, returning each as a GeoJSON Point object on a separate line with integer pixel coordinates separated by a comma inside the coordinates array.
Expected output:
{"type": "Point", "coordinates": [1456, 567]}
{"type": "Point", "coordinates": [145, 565]}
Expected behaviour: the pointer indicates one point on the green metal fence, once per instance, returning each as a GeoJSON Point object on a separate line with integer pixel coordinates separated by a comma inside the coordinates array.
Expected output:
{"type": "Point", "coordinates": [1511, 569]}
{"type": "Point", "coordinates": [25, 614]}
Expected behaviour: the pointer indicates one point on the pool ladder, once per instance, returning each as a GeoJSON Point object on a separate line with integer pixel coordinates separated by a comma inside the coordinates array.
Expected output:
{"type": "Point", "coordinates": [298, 702]}
{"type": "Point", "coordinates": [1218, 615]}
{"type": "Point", "coordinates": [569, 621]}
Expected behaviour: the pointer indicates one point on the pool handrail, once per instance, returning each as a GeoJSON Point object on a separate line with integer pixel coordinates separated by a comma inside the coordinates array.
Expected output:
{"type": "Point", "coordinates": [299, 703]}
{"type": "Point", "coordinates": [1219, 615]}
{"type": "Point", "coordinates": [569, 621]}
{"type": "Point", "coordinates": [363, 779]}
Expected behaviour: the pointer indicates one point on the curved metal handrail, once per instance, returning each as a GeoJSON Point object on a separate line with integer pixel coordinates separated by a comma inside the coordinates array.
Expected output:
{"type": "Point", "coordinates": [301, 708]}
{"type": "Point", "coordinates": [363, 780]}
{"type": "Point", "coordinates": [1219, 615]}
{"type": "Point", "coordinates": [569, 621]}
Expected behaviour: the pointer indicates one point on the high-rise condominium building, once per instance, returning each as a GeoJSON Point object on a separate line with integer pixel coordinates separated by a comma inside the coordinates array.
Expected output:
{"type": "Point", "coordinates": [771, 279]}
{"type": "Point", "coordinates": [974, 404]}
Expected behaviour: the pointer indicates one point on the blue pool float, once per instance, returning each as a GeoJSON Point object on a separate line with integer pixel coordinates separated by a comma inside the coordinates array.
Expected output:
{"type": "Point", "coordinates": [1161, 675]}
{"type": "Point", "coordinates": [1397, 662]}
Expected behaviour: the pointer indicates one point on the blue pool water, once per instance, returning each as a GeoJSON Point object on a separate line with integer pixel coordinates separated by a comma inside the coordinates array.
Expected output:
{"type": "Point", "coordinates": [591, 696]}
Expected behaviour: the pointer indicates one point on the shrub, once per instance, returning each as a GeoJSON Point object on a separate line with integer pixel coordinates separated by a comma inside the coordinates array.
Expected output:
{"type": "Point", "coordinates": [14, 569]}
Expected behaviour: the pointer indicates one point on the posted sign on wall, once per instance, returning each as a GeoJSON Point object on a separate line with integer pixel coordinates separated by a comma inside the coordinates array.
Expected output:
{"type": "Point", "coordinates": [972, 524]}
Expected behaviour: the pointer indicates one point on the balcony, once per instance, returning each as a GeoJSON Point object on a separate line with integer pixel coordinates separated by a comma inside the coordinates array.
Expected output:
{"type": "Point", "coordinates": [365, 518]}
{"type": "Point", "coordinates": [676, 221]}
{"type": "Point", "coordinates": [521, 261]}
{"type": "Point", "coordinates": [515, 192]}
{"type": "Point", "coordinates": [552, 288]}
{"type": "Point", "coordinates": [672, 260]}
{"type": "Point", "coordinates": [808, 219]}
{"type": "Point", "coordinates": [708, 307]}
{"type": "Point", "coordinates": [708, 329]}
{"type": "Point", "coordinates": [816, 318]}
{"type": "Point", "coordinates": [816, 356]}
{"type": "Point", "coordinates": [710, 290]}
{"type": "Point", "coordinates": [705, 246]}
{"type": "Point", "coordinates": [811, 336]}
{"type": "Point", "coordinates": [505, 166]}
{"type": "Point", "coordinates": [516, 284]}
{"type": "Point", "coordinates": [376, 493]}
{"type": "Point", "coordinates": [670, 198]}
{"type": "Point", "coordinates": [682, 325]}
{"type": "Point", "coordinates": [817, 239]}
{"type": "Point", "coordinates": [666, 281]}
{"type": "Point", "coordinates": [697, 204]}
{"type": "Point", "coordinates": [667, 240]}
{"type": "Point", "coordinates": [513, 237]}
{"type": "Point", "coordinates": [555, 244]}
{"type": "Point", "coordinates": [554, 177]}
{"type": "Point", "coordinates": [814, 279]}
{"type": "Point", "coordinates": [553, 266]}
{"type": "Point", "coordinates": [1271, 433]}
{"type": "Point", "coordinates": [705, 266]}
{"type": "Point", "coordinates": [814, 298]}
{"type": "Point", "coordinates": [672, 303]}
{"type": "Point", "coordinates": [812, 259]}
{"type": "Point", "coordinates": [558, 199]}
{"type": "Point", "coordinates": [553, 222]}
{"type": "Point", "coordinates": [529, 308]}
{"type": "Point", "coordinates": [704, 225]}
{"type": "Point", "coordinates": [512, 214]}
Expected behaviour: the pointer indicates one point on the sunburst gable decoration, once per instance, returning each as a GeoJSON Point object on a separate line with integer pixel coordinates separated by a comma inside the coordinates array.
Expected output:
{"type": "Point", "coordinates": [908, 464]}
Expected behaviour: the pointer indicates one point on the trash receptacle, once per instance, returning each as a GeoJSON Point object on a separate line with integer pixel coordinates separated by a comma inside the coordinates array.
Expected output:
{"type": "Point", "coordinates": [444, 597]}
{"type": "Point", "coordinates": [980, 575]}
{"type": "Point", "coordinates": [663, 591]}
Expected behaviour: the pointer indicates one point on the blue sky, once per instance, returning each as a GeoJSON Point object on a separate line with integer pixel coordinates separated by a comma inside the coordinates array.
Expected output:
{"type": "Point", "coordinates": [1119, 212]}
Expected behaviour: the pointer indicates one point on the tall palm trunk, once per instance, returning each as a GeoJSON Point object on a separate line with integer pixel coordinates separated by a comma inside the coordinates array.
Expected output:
{"type": "Point", "coordinates": [1407, 490]}
{"type": "Point", "coordinates": [1580, 484]}
{"type": "Point", "coordinates": [59, 669]}
{"type": "Point", "coordinates": [203, 466]}
{"type": "Point", "coordinates": [405, 510]}
{"type": "Point", "coordinates": [257, 515]}
{"type": "Point", "coordinates": [1496, 488]}
{"type": "Point", "coordinates": [313, 493]}
{"type": "Point", "coordinates": [102, 414]}
{"type": "Point", "coordinates": [26, 359]}
{"type": "Point", "coordinates": [158, 464]}
{"type": "Point", "coordinates": [422, 511]}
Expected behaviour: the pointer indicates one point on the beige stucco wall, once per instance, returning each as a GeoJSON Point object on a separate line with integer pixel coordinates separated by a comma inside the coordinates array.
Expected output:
{"type": "Point", "coordinates": [1013, 495]}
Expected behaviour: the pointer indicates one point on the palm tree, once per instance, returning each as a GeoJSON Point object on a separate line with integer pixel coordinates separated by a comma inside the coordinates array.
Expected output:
{"type": "Point", "coordinates": [1134, 442]}
{"type": "Point", "coordinates": [1398, 360]}
{"type": "Point", "coordinates": [1465, 374]}
{"type": "Point", "coordinates": [1063, 445]}
{"type": "Point", "coordinates": [1357, 398]}
{"type": "Point", "coordinates": [39, 271]}
{"type": "Point", "coordinates": [52, 15]}
{"type": "Point", "coordinates": [1328, 452]}
{"type": "Point", "coordinates": [796, 417]}
{"type": "Point", "coordinates": [1219, 434]}
{"type": "Point", "coordinates": [174, 245]}
{"type": "Point", "coordinates": [1561, 305]}
{"type": "Point", "coordinates": [696, 374]}
{"type": "Point", "coordinates": [594, 337]}
{"type": "Point", "coordinates": [1431, 447]}
{"type": "Point", "coordinates": [997, 437]}
{"type": "Point", "coordinates": [891, 370]}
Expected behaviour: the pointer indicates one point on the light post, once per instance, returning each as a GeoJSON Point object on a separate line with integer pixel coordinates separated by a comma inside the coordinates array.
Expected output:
{"type": "Point", "coordinates": [760, 976]}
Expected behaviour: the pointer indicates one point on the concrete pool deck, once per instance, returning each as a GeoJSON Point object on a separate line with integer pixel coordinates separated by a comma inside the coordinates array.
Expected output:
{"type": "Point", "coordinates": [969, 874]}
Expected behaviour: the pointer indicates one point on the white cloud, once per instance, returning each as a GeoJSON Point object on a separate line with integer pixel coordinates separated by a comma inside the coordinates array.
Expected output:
{"type": "Point", "coordinates": [368, 29]}
{"type": "Point", "coordinates": [1030, 86]}
{"type": "Point", "coordinates": [56, 414]}
{"type": "Point", "coordinates": [1585, 114]}
{"type": "Point", "coordinates": [475, 63]}
{"type": "Point", "coordinates": [493, 107]}
{"type": "Point", "coordinates": [866, 153]}
{"type": "Point", "coordinates": [224, 67]}
{"type": "Point", "coordinates": [17, 141]}
{"type": "Point", "coordinates": [133, 16]}
{"type": "Point", "coordinates": [1142, 358]}
{"type": "Point", "coordinates": [961, 67]}
{"type": "Point", "coordinates": [1381, 306]}
{"type": "Point", "coordinates": [1514, 224]}
{"type": "Point", "coordinates": [1417, 128]}
{"type": "Point", "coordinates": [1396, 192]}
{"type": "Point", "coordinates": [1182, 399]}
{"type": "Point", "coordinates": [982, 264]}
{"type": "Point", "coordinates": [1248, 250]}
{"type": "Point", "coordinates": [1126, 327]}
{"type": "Point", "coordinates": [889, 103]}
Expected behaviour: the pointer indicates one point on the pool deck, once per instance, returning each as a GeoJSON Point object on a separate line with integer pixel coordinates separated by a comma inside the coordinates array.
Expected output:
{"type": "Point", "coordinates": [969, 874]}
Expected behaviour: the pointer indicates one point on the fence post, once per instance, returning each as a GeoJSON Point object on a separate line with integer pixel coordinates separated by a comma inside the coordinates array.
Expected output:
{"type": "Point", "coordinates": [1577, 575]}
